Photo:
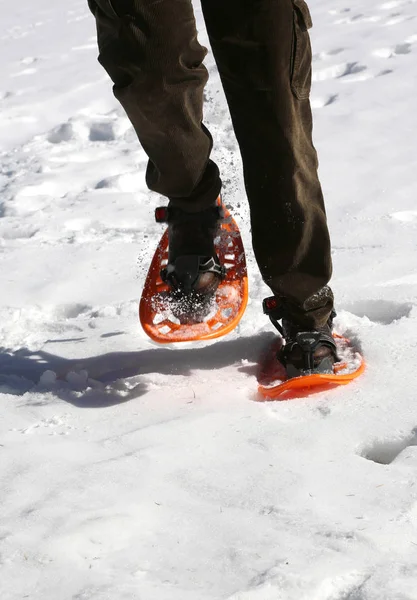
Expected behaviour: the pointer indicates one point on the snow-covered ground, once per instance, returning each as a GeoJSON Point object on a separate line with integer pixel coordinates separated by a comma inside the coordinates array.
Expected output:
{"type": "Point", "coordinates": [132, 471]}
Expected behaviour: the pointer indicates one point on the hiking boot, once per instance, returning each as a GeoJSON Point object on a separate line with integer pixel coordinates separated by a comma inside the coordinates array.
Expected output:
{"type": "Point", "coordinates": [193, 271]}
{"type": "Point", "coordinates": [307, 351]}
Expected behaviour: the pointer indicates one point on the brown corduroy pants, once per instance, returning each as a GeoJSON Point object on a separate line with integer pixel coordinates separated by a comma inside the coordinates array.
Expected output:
{"type": "Point", "coordinates": [262, 50]}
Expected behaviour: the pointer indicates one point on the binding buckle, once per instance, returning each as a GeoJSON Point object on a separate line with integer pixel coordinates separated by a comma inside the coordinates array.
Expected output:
{"type": "Point", "coordinates": [161, 214]}
{"type": "Point", "coordinates": [272, 307]}
{"type": "Point", "coordinates": [308, 342]}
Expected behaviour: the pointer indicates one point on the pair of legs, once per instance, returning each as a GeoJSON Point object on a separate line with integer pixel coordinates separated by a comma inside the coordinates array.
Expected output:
{"type": "Point", "coordinates": [262, 50]}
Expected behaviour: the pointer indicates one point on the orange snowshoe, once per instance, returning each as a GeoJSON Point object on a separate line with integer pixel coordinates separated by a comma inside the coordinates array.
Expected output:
{"type": "Point", "coordinates": [274, 383]}
{"type": "Point", "coordinates": [168, 314]}
{"type": "Point", "coordinates": [309, 361]}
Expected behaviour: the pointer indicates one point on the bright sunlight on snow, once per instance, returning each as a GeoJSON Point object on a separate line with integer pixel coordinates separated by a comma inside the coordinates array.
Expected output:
{"type": "Point", "coordinates": [130, 471]}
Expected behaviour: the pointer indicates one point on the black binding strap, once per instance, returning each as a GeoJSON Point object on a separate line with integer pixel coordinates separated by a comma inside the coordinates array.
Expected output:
{"type": "Point", "coordinates": [183, 274]}
{"type": "Point", "coordinates": [307, 341]}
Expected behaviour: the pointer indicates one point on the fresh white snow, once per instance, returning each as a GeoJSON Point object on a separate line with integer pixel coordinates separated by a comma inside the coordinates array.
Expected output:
{"type": "Point", "coordinates": [130, 471]}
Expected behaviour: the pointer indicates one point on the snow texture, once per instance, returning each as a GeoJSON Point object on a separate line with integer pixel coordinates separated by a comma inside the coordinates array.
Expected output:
{"type": "Point", "coordinates": [133, 471]}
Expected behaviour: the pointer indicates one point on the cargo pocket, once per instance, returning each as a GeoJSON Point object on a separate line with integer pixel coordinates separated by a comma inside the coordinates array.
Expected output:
{"type": "Point", "coordinates": [301, 56]}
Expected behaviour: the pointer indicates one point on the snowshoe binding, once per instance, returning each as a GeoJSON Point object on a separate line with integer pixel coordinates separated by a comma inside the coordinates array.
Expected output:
{"type": "Point", "coordinates": [309, 360]}
{"type": "Point", "coordinates": [200, 291]}
{"type": "Point", "coordinates": [193, 272]}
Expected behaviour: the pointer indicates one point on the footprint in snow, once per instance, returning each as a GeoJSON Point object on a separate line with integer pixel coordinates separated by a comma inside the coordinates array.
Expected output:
{"type": "Point", "coordinates": [381, 311]}
{"type": "Point", "coordinates": [322, 101]}
{"type": "Point", "coordinates": [61, 133]}
{"type": "Point", "coordinates": [80, 130]}
{"type": "Point", "coordinates": [390, 52]}
{"type": "Point", "coordinates": [384, 452]}
{"type": "Point", "coordinates": [102, 132]}
{"type": "Point", "coordinates": [125, 182]}
{"type": "Point", "coordinates": [396, 18]}
{"type": "Point", "coordinates": [72, 310]}
{"type": "Point", "coordinates": [13, 231]}
{"type": "Point", "coordinates": [339, 12]}
{"type": "Point", "coordinates": [29, 60]}
{"type": "Point", "coordinates": [351, 71]}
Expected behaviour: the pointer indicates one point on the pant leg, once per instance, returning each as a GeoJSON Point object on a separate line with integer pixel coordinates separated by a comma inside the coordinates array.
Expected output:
{"type": "Point", "coordinates": [262, 50]}
{"type": "Point", "coordinates": [151, 52]}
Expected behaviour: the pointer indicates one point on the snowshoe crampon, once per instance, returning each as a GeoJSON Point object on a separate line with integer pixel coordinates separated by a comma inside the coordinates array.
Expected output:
{"type": "Point", "coordinates": [274, 383]}
{"type": "Point", "coordinates": [166, 318]}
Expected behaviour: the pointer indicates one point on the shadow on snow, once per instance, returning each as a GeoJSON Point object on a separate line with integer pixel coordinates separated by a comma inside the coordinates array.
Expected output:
{"type": "Point", "coordinates": [111, 377]}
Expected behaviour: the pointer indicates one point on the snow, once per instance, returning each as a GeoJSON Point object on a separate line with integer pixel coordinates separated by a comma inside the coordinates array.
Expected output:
{"type": "Point", "coordinates": [133, 471]}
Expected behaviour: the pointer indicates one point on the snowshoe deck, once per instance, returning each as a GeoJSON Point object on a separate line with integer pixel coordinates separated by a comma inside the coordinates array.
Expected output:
{"type": "Point", "coordinates": [226, 308]}
{"type": "Point", "coordinates": [274, 384]}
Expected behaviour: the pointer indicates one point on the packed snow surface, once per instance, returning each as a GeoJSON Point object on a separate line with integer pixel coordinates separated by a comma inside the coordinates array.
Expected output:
{"type": "Point", "coordinates": [130, 471]}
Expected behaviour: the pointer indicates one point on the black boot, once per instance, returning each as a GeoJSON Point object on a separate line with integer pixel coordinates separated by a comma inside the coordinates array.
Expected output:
{"type": "Point", "coordinates": [306, 351]}
{"type": "Point", "coordinates": [193, 271]}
